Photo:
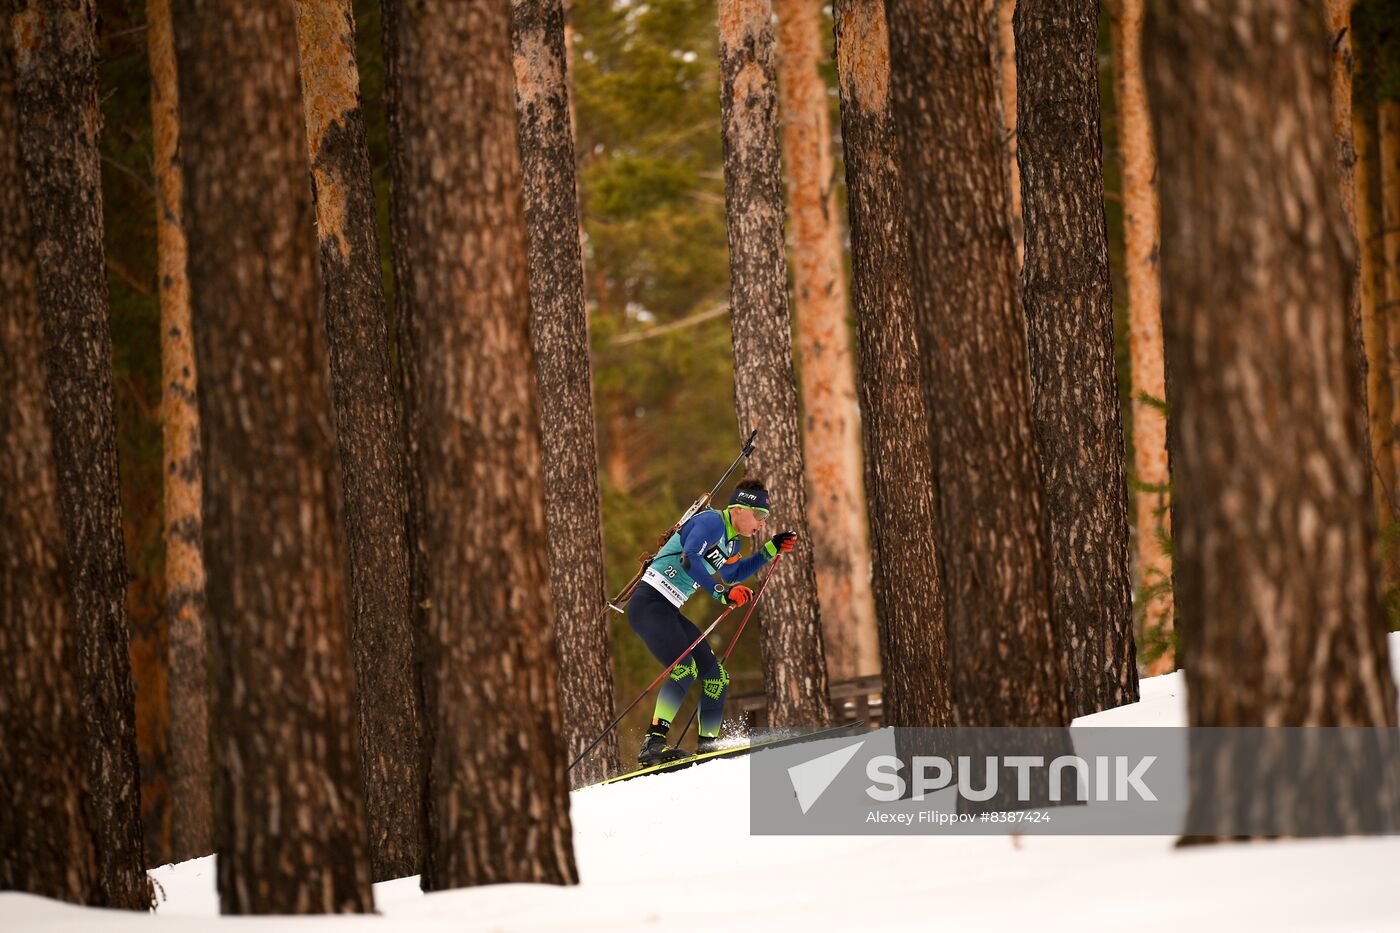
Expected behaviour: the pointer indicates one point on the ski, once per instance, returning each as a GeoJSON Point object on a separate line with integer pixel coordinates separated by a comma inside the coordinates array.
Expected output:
{"type": "Point", "coordinates": [735, 752]}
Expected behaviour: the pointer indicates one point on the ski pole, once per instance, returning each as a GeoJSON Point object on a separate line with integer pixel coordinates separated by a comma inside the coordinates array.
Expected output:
{"type": "Point", "coordinates": [618, 602]}
{"type": "Point", "coordinates": [743, 455]}
{"type": "Point", "coordinates": [735, 640]}
{"type": "Point", "coordinates": [613, 725]}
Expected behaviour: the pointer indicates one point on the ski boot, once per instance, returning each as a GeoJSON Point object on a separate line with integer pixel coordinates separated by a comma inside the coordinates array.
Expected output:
{"type": "Point", "coordinates": [655, 751]}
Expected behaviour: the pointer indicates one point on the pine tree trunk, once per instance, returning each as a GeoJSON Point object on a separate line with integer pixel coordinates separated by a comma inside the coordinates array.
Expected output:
{"type": "Point", "coordinates": [1389, 146]}
{"type": "Point", "coordinates": [404, 338]}
{"type": "Point", "coordinates": [559, 330]}
{"type": "Point", "coordinates": [191, 818]}
{"type": "Point", "coordinates": [58, 136]}
{"type": "Point", "coordinates": [908, 589]}
{"type": "Point", "coordinates": [369, 436]}
{"type": "Point", "coordinates": [1374, 321]}
{"type": "Point", "coordinates": [1068, 299]}
{"type": "Point", "coordinates": [1007, 91]}
{"type": "Point", "coordinates": [289, 828]}
{"type": "Point", "coordinates": [830, 421]}
{"type": "Point", "coordinates": [46, 838]}
{"type": "Point", "coordinates": [1339, 39]}
{"type": "Point", "coordinates": [498, 805]}
{"type": "Point", "coordinates": [1276, 551]}
{"type": "Point", "coordinates": [1141, 236]}
{"type": "Point", "coordinates": [794, 667]}
{"type": "Point", "coordinates": [989, 527]}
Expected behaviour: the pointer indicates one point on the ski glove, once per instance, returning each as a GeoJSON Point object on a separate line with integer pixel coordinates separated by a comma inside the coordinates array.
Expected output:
{"type": "Point", "coordinates": [783, 541]}
{"type": "Point", "coordinates": [737, 595]}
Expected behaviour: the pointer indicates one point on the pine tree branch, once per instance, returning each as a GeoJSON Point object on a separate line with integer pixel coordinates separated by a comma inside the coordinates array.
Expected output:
{"type": "Point", "coordinates": [694, 319]}
{"type": "Point", "coordinates": [129, 277]}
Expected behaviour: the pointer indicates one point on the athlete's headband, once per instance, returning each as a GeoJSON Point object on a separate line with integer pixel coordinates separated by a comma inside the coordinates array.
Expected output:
{"type": "Point", "coordinates": [750, 498]}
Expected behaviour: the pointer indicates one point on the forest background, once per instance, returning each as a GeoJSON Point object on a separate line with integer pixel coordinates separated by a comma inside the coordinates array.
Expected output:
{"type": "Point", "coordinates": [650, 170]}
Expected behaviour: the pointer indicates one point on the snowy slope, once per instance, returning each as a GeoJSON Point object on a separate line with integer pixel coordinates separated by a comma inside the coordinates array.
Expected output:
{"type": "Point", "coordinates": [674, 851]}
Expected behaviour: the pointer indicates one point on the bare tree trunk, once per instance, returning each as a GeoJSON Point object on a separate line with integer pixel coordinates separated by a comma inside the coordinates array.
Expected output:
{"type": "Point", "coordinates": [907, 585]}
{"type": "Point", "coordinates": [191, 832]}
{"type": "Point", "coordinates": [1276, 553]}
{"type": "Point", "coordinates": [559, 331]}
{"type": "Point", "coordinates": [1007, 91]}
{"type": "Point", "coordinates": [1068, 299]}
{"type": "Point", "coordinates": [1370, 298]}
{"type": "Point", "coordinates": [830, 421]}
{"type": "Point", "coordinates": [47, 843]}
{"type": "Point", "coordinates": [794, 667]}
{"type": "Point", "coordinates": [59, 125]}
{"type": "Point", "coordinates": [1142, 242]}
{"type": "Point", "coordinates": [1389, 145]}
{"type": "Point", "coordinates": [290, 828]}
{"type": "Point", "coordinates": [369, 436]}
{"type": "Point", "coordinates": [990, 529]}
{"type": "Point", "coordinates": [1339, 38]}
{"type": "Point", "coordinates": [498, 805]}
{"type": "Point", "coordinates": [403, 312]}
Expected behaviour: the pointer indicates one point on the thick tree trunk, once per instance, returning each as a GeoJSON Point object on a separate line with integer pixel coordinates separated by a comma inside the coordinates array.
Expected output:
{"type": "Point", "coordinates": [1276, 551]}
{"type": "Point", "coordinates": [989, 527]}
{"type": "Point", "coordinates": [1002, 22]}
{"type": "Point", "coordinates": [559, 330]}
{"type": "Point", "coordinates": [1142, 240]}
{"type": "Point", "coordinates": [290, 828]}
{"type": "Point", "coordinates": [830, 420]}
{"type": "Point", "coordinates": [59, 124]}
{"type": "Point", "coordinates": [46, 838]}
{"type": "Point", "coordinates": [191, 818]}
{"type": "Point", "coordinates": [794, 667]}
{"type": "Point", "coordinates": [1067, 295]}
{"type": "Point", "coordinates": [908, 589]}
{"type": "Point", "coordinates": [369, 436]}
{"type": "Point", "coordinates": [498, 805]}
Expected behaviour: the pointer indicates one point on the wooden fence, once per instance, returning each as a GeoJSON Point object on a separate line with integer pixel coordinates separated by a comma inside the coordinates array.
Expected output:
{"type": "Point", "coordinates": [851, 700]}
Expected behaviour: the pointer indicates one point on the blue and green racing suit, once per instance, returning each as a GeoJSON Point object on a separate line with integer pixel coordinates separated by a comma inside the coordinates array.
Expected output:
{"type": "Point", "coordinates": [702, 555]}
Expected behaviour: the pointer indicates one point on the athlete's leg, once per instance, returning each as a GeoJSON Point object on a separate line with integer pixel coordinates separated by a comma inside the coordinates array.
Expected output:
{"type": "Point", "coordinates": [714, 684]}
{"type": "Point", "coordinates": [666, 633]}
{"type": "Point", "coordinates": [701, 663]}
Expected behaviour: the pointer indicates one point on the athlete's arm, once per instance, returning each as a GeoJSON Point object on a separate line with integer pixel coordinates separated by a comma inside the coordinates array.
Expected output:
{"type": "Point", "coordinates": [744, 567]}
{"type": "Point", "coordinates": [701, 533]}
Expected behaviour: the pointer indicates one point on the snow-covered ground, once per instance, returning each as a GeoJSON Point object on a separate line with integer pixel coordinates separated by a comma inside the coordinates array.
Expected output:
{"type": "Point", "coordinates": [675, 851]}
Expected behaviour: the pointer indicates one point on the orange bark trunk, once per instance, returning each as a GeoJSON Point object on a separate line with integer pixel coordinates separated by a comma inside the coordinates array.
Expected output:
{"type": "Point", "coordinates": [830, 425]}
{"type": "Point", "coordinates": [1390, 249]}
{"type": "Point", "coordinates": [1352, 139]}
{"type": "Point", "coordinates": [1006, 88]}
{"type": "Point", "coordinates": [1339, 33]}
{"type": "Point", "coordinates": [1142, 240]}
{"type": "Point", "coordinates": [191, 820]}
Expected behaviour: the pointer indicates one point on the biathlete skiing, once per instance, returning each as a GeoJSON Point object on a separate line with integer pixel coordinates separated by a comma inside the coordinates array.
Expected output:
{"type": "Point", "coordinates": [703, 554]}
